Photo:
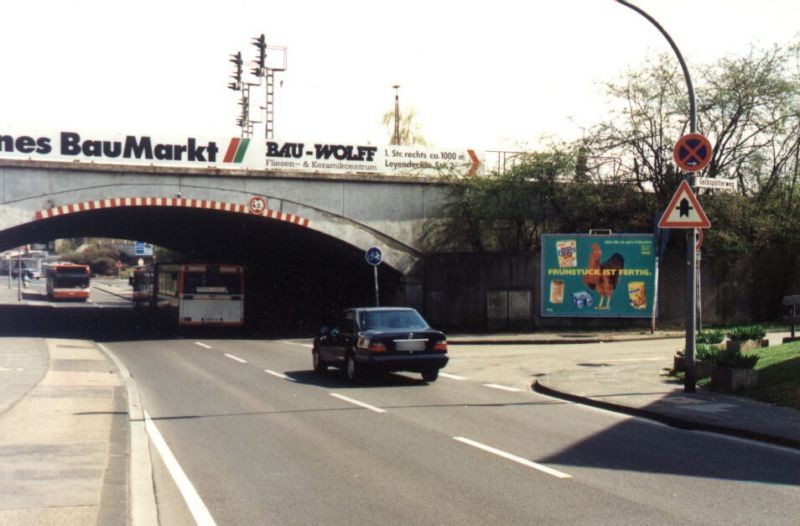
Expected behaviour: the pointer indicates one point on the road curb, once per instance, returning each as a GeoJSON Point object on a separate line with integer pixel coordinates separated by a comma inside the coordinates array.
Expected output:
{"type": "Point", "coordinates": [143, 509]}
{"type": "Point", "coordinates": [552, 341]}
{"type": "Point", "coordinates": [680, 423]}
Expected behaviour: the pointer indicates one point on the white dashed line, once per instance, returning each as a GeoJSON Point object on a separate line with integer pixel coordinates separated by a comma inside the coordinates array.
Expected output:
{"type": "Point", "coordinates": [203, 345]}
{"type": "Point", "coordinates": [279, 375]}
{"type": "Point", "coordinates": [514, 458]}
{"type": "Point", "coordinates": [356, 402]}
{"type": "Point", "coordinates": [451, 376]}
{"type": "Point", "coordinates": [235, 358]}
{"type": "Point", "coordinates": [503, 388]}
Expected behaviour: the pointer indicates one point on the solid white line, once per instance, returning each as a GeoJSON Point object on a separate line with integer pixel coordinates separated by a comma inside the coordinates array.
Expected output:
{"type": "Point", "coordinates": [356, 402]}
{"type": "Point", "coordinates": [232, 357]}
{"type": "Point", "coordinates": [279, 375]}
{"type": "Point", "coordinates": [514, 458]}
{"type": "Point", "coordinates": [451, 376]}
{"type": "Point", "coordinates": [503, 388]}
{"type": "Point", "coordinates": [203, 345]}
{"type": "Point", "coordinates": [190, 496]}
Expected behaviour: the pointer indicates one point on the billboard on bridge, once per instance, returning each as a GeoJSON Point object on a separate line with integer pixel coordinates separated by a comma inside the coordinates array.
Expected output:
{"type": "Point", "coordinates": [118, 148]}
{"type": "Point", "coordinates": [310, 156]}
{"type": "Point", "coordinates": [238, 153]}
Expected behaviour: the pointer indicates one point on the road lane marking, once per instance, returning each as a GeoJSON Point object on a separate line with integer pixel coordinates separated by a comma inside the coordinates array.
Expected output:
{"type": "Point", "coordinates": [279, 375]}
{"type": "Point", "coordinates": [356, 402]}
{"type": "Point", "coordinates": [203, 345]}
{"type": "Point", "coordinates": [514, 458]}
{"type": "Point", "coordinates": [236, 358]}
{"type": "Point", "coordinates": [193, 501]}
{"type": "Point", "coordinates": [503, 388]}
{"type": "Point", "coordinates": [451, 376]}
{"type": "Point", "coordinates": [300, 344]}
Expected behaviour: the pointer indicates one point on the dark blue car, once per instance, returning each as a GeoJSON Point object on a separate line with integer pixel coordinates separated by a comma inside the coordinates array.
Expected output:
{"type": "Point", "coordinates": [366, 339]}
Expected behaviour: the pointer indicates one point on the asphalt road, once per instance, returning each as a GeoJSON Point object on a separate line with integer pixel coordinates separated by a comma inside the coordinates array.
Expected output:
{"type": "Point", "coordinates": [252, 436]}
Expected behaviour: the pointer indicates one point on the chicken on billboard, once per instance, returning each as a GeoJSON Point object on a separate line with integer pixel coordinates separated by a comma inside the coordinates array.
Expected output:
{"type": "Point", "coordinates": [598, 276]}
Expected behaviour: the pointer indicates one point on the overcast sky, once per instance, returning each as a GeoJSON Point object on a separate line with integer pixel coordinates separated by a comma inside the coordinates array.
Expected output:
{"type": "Point", "coordinates": [484, 75]}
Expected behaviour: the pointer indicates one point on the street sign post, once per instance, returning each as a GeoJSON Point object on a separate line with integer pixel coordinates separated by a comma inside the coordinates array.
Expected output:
{"type": "Point", "coordinates": [684, 211]}
{"type": "Point", "coordinates": [692, 152]}
{"type": "Point", "coordinates": [374, 257]}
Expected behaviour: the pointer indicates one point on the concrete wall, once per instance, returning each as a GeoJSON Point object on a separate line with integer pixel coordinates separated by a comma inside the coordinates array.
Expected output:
{"type": "Point", "coordinates": [480, 292]}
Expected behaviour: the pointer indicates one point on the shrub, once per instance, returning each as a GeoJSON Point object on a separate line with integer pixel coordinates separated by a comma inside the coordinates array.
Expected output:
{"type": "Point", "coordinates": [750, 332]}
{"type": "Point", "coordinates": [736, 360]}
{"type": "Point", "coordinates": [710, 336]}
{"type": "Point", "coordinates": [707, 351]}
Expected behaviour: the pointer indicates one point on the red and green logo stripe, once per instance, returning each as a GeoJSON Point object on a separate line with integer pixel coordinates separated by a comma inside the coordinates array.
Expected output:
{"type": "Point", "coordinates": [236, 150]}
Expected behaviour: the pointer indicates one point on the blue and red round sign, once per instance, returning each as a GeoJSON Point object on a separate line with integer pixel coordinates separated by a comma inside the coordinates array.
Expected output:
{"type": "Point", "coordinates": [692, 152]}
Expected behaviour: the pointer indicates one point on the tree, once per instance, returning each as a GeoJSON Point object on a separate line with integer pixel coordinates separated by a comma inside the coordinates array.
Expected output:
{"type": "Point", "coordinates": [410, 130]}
{"type": "Point", "coordinates": [545, 192]}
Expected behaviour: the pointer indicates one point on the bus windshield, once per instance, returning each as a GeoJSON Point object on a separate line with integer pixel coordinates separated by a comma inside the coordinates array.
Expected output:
{"type": "Point", "coordinates": [71, 279]}
{"type": "Point", "coordinates": [212, 283]}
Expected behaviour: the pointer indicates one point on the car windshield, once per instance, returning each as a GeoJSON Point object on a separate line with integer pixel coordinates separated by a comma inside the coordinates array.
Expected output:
{"type": "Point", "coordinates": [392, 319]}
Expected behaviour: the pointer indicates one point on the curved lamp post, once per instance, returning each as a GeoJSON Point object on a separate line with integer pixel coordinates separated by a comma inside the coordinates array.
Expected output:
{"type": "Point", "coordinates": [691, 252]}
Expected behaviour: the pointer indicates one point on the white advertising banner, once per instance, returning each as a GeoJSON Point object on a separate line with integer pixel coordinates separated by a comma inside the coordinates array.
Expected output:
{"type": "Point", "coordinates": [121, 148]}
{"type": "Point", "coordinates": [311, 156]}
{"type": "Point", "coordinates": [237, 153]}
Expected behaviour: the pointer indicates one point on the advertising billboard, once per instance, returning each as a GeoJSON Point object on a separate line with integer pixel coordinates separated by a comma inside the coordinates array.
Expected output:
{"type": "Point", "coordinates": [598, 276]}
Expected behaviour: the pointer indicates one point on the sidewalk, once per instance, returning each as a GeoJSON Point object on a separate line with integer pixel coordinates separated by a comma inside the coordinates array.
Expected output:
{"type": "Point", "coordinates": [642, 388]}
{"type": "Point", "coordinates": [64, 434]}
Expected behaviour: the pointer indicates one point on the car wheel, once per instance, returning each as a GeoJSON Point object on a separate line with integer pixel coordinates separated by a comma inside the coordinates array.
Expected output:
{"type": "Point", "coordinates": [319, 365]}
{"type": "Point", "coordinates": [351, 369]}
{"type": "Point", "coordinates": [430, 375]}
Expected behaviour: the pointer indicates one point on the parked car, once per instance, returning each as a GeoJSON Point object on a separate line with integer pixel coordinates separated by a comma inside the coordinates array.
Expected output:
{"type": "Point", "coordinates": [367, 339]}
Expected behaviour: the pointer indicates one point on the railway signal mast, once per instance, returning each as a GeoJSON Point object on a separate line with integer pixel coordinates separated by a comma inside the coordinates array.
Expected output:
{"type": "Point", "coordinates": [260, 70]}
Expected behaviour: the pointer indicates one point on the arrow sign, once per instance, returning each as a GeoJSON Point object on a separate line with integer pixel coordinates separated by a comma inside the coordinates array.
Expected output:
{"type": "Point", "coordinates": [684, 210]}
{"type": "Point", "coordinates": [474, 163]}
{"type": "Point", "coordinates": [374, 256]}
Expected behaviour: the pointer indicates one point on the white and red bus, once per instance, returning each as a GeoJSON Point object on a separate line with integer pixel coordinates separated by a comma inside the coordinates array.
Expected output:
{"type": "Point", "coordinates": [68, 281]}
{"type": "Point", "coordinates": [196, 294]}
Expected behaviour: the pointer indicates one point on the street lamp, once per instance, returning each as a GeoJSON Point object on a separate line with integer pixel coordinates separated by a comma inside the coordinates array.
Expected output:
{"type": "Point", "coordinates": [691, 234]}
{"type": "Point", "coordinates": [689, 87]}
{"type": "Point", "coordinates": [396, 135]}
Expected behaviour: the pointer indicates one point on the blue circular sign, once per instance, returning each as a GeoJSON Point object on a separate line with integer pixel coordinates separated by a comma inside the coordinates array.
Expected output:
{"type": "Point", "coordinates": [374, 256]}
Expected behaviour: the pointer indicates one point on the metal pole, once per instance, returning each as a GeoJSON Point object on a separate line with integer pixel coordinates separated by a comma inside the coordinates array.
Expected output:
{"type": "Point", "coordinates": [19, 275]}
{"type": "Point", "coordinates": [377, 298]}
{"type": "Point", "coordinates": [691, 254]}
{"type": "Point", "coordinates": [689, 87]}
{"type": "Point", "coordinates": [396, 137]}
{"type": "Point", "coordinates": [691, 312]}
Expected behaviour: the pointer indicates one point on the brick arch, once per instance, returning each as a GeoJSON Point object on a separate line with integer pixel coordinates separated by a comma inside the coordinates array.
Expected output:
{"type": "Point", "coordinates": [173, 202]}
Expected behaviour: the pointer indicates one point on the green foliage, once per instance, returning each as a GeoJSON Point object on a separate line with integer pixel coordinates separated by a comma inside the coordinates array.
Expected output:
{"type": "Point", "coordinates": [710, 337]}
{"type": "Point", "coordinates": [707, 351]}
{"type": "Point", "coordinates": [102, 258]}
{"type": "Point", "coordinates": [736, 360]}
{"type": "Point", "coordinates": [749, 332]}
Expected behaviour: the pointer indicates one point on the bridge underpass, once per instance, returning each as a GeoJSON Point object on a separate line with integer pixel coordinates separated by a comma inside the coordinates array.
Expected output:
{"type": "Point", "coordinates": [296, 277]}
{"type": "Point", "coordinates": [301, 236]}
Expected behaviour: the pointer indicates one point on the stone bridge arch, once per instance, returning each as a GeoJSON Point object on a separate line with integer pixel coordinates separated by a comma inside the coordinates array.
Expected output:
{"type": "Point", "coordinates": [361, 211]}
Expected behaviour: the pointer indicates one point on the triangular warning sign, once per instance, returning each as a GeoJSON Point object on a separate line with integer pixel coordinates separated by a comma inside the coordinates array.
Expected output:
{"type": "Point", "coordinates": [684, 210]}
